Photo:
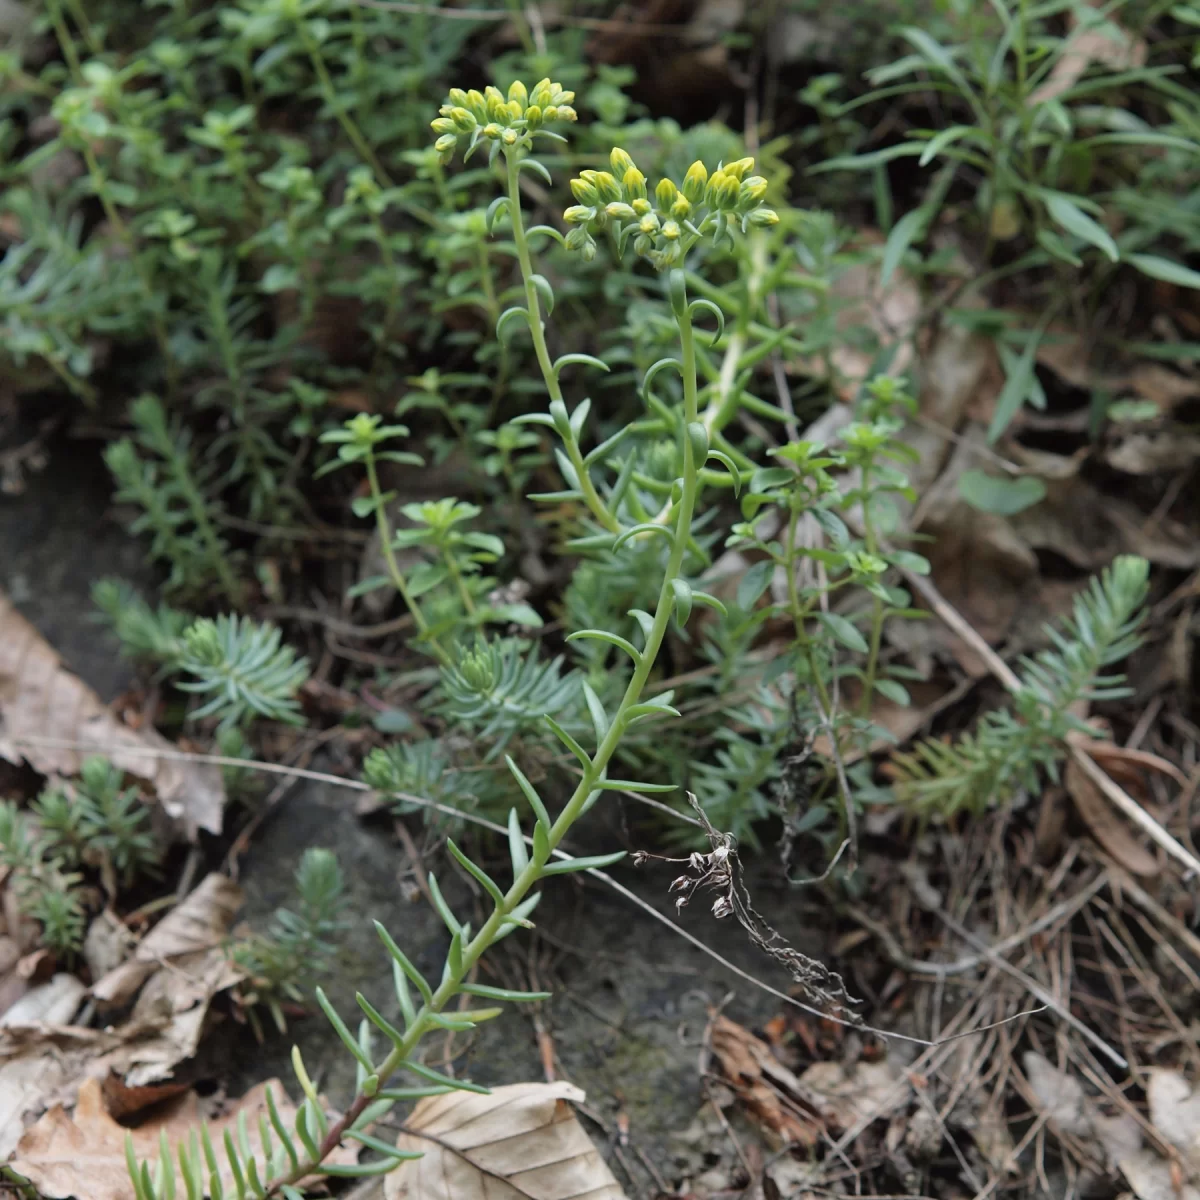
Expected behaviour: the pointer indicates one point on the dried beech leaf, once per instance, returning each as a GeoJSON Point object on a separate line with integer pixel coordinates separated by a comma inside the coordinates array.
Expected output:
{"type": "Point", "coordinates": [765, 1088]}
{"type": "Point", "coordinates": [82, 1154]}
{"type": "Point", "coordinates": [55, 1002]}
{"type": "Point", "coordinates": [40, 698]}
{"type": "Point", "coordinates": [1103, 42]}
{"type": "Point", "coordinates": [1112, 831]}
{"type": "Point", "coordinates": [199, 924]}
{"type": "Point", "coordinates": [518, 1142]}
{"type": "Point", "coordinates": [845, 1096]}
{"type": "Point", "coordinates": [1175, 1112]}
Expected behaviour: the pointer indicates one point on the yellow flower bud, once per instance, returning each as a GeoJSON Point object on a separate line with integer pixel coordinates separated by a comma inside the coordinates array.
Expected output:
{"type": "Point", "coordinates": [477, 104]}
{"type": "Point", "coordinates": [497, 106]}
{"type": "Point", "coordinates": [463, 119]}
{"type": "Point", "coordinates": [671, 231]}
{"type": "Point", "coordinates": [561, 97]}
{"type": "Point", "coordinates": [493, 94]}
{"type": "Point", "coordinates": [459, 98]}
{"type": "Point", "coordinates": [607, 186]}
{"type": "Point", "coordinates": [549, 113]}
{"type": "Point", "coordinates": [649, 223]}
{"type": "Point", "coordinates": [712, 190]}
{"type": "Point", "coordinates": [694, 181]}
{"type": "Point", "coordinates": [620, 212]}
{"type": "Point", "coordinates": [543, 93]}
{"type": "Point", "coordinates": [518, 94]}
{"type": "Point", "coordinates": [584, 192]}
{"type": "Point", "coordinates": [681, 208]}
{"type": "Point", "coordinates": [578, 214]}
{"type": "Point", "coordinates": [514, 110]}
{"type": "Point", "coordinates": [763, 216]}
{"type": "Point", "coordinates": [491, 130]}
{"type": "Point", "coordinates": [445, 144]}
{"type": "Point", "coordinates": [567, 113]}
{"type": "Point", "coordinates": [443, 125]}
{"type": "Point", "coordinates": [641, 206]}
{"type": "Point", "coordinates": [642, 244]}
{"type": "Point", "coordinates": [621, 162]}
{"type": "Point", "coordinates": [739, 168]}
{"type": "Point", "coordinates": [509, 137]}
{"type": "Point", "coordinates": [750, 193]}
{"type": "Point", "coordinates": [665, 194]}
{"type": "Point", "coordinates": [533, 117]}
{"type": "Point", "coordinates": [635, 184]}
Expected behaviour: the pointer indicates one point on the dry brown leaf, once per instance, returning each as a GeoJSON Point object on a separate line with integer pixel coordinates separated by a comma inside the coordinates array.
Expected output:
{"type": "Point", "coordinates": [860, 1092]}
{"type": "Point", "coordinates": [1062, 1098]}
{"type": "Point", "coordinates": [40, 698]}
{"type": "Point", "coordinates": [82, 1154]}
{"type": "Point", "coordinates": [1154, 1178]}
{"type": "Point", "coordinates": [763, 1085]}
{"type": "Point", "coordinates": [517, 1142]}
{"type": "Point", "coordinates": [197, 925]}
{"type": "Point", "coordinates": [54, 1002]}
{"type": "Point", "coordinates": [1113, 833]}
{"type": "Point", "coordinates": [1103, 42]}
{"type": "Point", "coordinates": [42, 1063]}
{"type": "Point", "coordinates": [1175, 1112]}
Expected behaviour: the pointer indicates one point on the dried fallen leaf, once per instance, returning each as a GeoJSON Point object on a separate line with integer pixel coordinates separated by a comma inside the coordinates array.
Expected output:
{"type": "Point", "coordinates": [54, 1002]}
{"type": "Point", "coordinates": [197, 925]}
{"type": "Point", "coordinates": [1153, 1178]}
{"type": "Point", "coordinates": [1096, 41]}
{"type": "Point", "coordinates": [517, 1142]}
{"type": "Point", "coordinates": [40, 698]}
{"type": "Point", "coordinates": [1114, 833]}
{"type": "Point", "coordinates": [1062, 1098]}
{"type": "Point", "coordinates": [82, 1154]}
{"type": "Point", "coordinates": [1175, 1112]}
{"type": "Point", "coordinates": [847, 1096]}
{"type": "Point", "coordinates": [763, 1085]}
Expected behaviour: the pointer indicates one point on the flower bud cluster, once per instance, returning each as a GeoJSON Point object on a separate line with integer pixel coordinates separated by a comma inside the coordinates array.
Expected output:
{"type": "Point", "coordinates": [664, 224]}
{"type": "Point", "coordinates": [507, 120]}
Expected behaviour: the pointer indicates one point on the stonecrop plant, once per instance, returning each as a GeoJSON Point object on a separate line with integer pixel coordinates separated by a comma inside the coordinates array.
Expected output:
{"type": "Point", "coordinates": [706, 207]}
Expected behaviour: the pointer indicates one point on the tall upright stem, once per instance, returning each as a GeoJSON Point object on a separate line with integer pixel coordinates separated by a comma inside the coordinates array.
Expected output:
{"type": "Point", "coordinates": [593, 772]}
{"type": "Point", "coordinates": [533, 304]}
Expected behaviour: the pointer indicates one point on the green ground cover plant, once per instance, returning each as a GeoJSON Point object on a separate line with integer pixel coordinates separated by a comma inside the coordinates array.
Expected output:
{"type": "Point", "coordinates": [568, 321]}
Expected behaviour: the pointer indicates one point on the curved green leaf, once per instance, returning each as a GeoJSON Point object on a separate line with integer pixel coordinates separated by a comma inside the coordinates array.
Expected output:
{"type": "Point", "coordinates": [549, 231]}
{"type": "Point", "coordinates": [507, 317]}
{"type": "Point", "coordinates": [588, 360]}
{"type": "Point", "coordinates": [644, 527]}
{"type": "Point", "coordinates": [545, 292]}
{"type": "Point", "coordinates": [613, 639]}
{"type": "Point", "coordinates": [594, 862]}
{"type": "Point", "coordinates": [706, 305]}
{"type": "Point", "coordinates": [568, 741]}
{"type": "Point", "coordinates": [1066, 212]}
{"type": "Point", "coordinates": [530, 792]}
{"type": "Point", "coordinates": [493, 211]}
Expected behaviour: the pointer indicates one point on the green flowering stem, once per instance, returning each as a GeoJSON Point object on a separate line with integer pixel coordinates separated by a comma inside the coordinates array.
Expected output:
{"type": "Point", "coordinates": [384, 528]}
{"type": "Point", "coordinates": [591, 497]}
{"type": "Point", "coordinates": [723, 405]}
{"type": "Point", "coordinates": [424, 1020]}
